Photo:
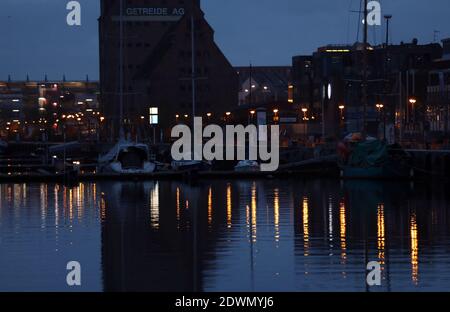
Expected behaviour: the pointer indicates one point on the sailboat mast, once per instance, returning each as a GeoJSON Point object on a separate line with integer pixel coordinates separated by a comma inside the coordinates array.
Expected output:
{"type": "Point", "coordinates": [193, 73]}
{"type": "Point", "coordinates": [121, 99]}
{"type": "Point", "coordinates": [365, 74]}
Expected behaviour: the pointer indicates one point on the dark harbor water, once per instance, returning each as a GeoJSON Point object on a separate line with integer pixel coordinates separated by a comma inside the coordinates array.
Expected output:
{"type": "Point", "coordinates": [266, 235]}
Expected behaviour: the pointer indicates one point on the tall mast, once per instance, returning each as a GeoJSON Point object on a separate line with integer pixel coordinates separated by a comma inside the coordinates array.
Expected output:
{"type": "Point", "coordinates": [193, 73]}
{"type": "Point", "coordinates": [251, 83]}
{"type": "Point", "coordinates": [365, 79]}
{"type": "Point", "coordinates": [121, 30]}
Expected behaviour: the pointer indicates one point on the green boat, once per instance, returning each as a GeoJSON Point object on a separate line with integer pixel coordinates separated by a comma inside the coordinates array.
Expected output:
{"type": "Point", "coordinates": [376, 160]}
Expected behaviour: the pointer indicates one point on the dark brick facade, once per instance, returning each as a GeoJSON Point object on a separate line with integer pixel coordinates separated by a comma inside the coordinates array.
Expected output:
{"type": "Point", "coordinates": [157, 63]}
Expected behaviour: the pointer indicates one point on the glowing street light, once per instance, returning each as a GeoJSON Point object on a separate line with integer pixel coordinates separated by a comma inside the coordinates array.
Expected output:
{"type": "Point", "coordinates": [275, 113]}
{"type": "Point", "coordinates": [304, 110]}
{"type": "Point", "coordinates": [413, 101]}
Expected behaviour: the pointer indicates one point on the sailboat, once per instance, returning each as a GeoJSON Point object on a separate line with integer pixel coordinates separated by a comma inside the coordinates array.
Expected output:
{"type": "Point", "coordinates": [126, 157]}
{"type": "Point", "coordinates": [363, 157]}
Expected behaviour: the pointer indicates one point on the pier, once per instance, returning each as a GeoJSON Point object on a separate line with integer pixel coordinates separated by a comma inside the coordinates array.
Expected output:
{"type": "Point", "coordinates": [17, 167]}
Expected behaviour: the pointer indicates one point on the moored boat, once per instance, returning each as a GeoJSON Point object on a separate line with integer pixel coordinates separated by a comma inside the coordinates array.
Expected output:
{"type": "Point", "coordinates": [127, 158]}
{"type": "Point", "coordinates": [374, 159]}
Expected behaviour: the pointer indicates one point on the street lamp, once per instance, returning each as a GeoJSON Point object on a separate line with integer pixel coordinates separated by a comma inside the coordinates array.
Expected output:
{"type": "Point", "coordinates": [379, 108]}
{"type": "Point", "coordinates": [251, 116]}
{"type": "Point", "coordinates": [275, 115]}
{"type": "Point", "coordinates": [304, 110]}
{"type": "Point", "coordinates": [341, 108]}
{"type": "Point", "coordinates": [227, 115]}
{"type": "Point", "coordinates": [413, 102]}
{"type": "Point", "coordinates": [341, 121]}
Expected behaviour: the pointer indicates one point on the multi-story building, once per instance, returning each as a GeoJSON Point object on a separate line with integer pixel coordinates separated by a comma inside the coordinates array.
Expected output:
{"type": "Point", "coordinates": [438, 98]}
{"type": "Point", "coordinates": [328, 85]}
{"type": "Point", "coordinates": [157, 65]}
{"type": "Point", "coordinates": [43, 110]}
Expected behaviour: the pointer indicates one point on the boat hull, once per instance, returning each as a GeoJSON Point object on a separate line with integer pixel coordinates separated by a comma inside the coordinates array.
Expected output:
{"type": "Point", "coordinates": [382, 172]}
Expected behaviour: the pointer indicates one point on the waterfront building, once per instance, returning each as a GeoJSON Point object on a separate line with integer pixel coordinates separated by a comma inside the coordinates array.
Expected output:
{"type": "Point", "coordinates": [44, 110]}
{"type": "Point", "coordinates": [157, 66]}
{"type": "Point", "coordinates": [438, 95]}
{"type": "Point", "coordinates": [328, 84]}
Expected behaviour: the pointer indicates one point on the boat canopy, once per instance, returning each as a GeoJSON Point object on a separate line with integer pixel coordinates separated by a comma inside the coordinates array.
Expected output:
{"type": "Point", "coordinates": [368, 154]}
{"type": "Point", "coordinates": [120, 146]}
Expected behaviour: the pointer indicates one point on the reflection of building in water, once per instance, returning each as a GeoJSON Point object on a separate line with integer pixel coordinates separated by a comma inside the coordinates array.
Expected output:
{"type": "Point", "coordinates": [137, 255]}
{"type": "Point", "coordinates": [156, 242]}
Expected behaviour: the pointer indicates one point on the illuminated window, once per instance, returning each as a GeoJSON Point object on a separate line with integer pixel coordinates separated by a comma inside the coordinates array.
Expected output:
{"type": "Point", "coordinates": [153, 114]}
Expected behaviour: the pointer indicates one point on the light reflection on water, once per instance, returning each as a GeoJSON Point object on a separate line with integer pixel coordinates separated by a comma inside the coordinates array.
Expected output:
{"type": "Point", "coordinates": [273, 235]}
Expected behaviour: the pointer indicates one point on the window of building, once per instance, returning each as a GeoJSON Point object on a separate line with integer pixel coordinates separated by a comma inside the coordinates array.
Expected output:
{"type": "Point", "coordinates": [153, 115]}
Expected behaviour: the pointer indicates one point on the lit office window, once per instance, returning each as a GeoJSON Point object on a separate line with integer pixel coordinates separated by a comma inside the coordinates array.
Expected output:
{"type": "Point", "coordinates": [153, 115]}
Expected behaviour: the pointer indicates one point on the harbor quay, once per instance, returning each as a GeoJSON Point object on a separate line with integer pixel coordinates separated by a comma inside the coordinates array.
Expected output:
{"type": "Point", "coordinates": [24, 162]}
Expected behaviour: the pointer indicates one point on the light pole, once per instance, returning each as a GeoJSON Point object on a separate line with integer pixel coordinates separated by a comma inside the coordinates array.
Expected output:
{"type": "Point", "coordinates": [382, 116]}
{"type": "Point", "coordinates": [275, 115]}
{"type": "Point", "coordinates": [413, 102]}
{"type": "Point", "coordinates": [252, 116]}
{"type": "Point", "coordinates": [341, 122]}
{"type": "Point", "coordinates": [387, 17]}
{"type": "Point", "coordinates": [227, 117]}
{"type": "Point", "coordinates": [305, 110]}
